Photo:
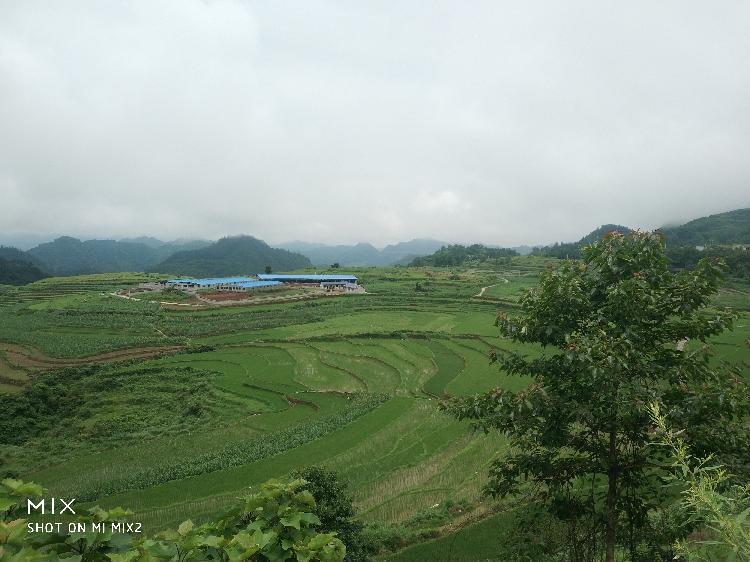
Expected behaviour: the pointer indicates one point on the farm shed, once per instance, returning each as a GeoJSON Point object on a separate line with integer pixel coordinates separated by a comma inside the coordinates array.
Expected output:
{"type": "Point", "coordinates": [210, 283]}
{"type": "Point", "coordinates": [308, 279]}
{"type": "Point", "coordinates": [250, 286]}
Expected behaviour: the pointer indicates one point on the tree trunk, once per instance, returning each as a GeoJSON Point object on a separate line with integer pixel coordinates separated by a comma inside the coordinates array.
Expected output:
{"type": "Point", "coordinates": [610, 533]}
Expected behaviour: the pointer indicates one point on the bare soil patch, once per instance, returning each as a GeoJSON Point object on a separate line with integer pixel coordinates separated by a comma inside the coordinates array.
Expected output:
{"type": "Point", "coordinates": [29, 358]}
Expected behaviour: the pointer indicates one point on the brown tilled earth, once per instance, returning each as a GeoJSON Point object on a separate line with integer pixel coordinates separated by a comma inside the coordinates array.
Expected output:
{"type": "Point", "coordinates": [223, 297]}
{"type": "Point", "coordinates": [24, 359]}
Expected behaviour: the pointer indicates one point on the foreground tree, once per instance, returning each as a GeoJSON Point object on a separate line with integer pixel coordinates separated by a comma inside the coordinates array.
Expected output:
{"type": "Point", "coordinates": [335, 509]}
{"type": "Point", "coordinates": [613, 328]}
{"type": "Point", "coordinates": [710, 498]}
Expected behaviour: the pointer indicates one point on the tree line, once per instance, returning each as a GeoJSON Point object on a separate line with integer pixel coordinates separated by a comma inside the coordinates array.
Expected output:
{"type": "Point", "coordinates": [456, 254]}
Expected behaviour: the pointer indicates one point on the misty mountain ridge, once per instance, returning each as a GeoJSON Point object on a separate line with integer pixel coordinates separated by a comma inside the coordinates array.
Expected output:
{"type": "Point", "coordinates": [180, 243]}
{"type": "Point", "coordinates": [67, 255]}
{"type": "Point", "coordinates": [364, 253]}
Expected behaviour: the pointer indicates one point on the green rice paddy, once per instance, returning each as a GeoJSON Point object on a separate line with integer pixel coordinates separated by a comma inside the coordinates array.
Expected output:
{"type": "Point", "coordinates": [357, 377]}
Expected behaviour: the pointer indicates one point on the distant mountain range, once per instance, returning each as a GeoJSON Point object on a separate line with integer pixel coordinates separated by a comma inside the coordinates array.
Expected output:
{"type": "Point", "coordinates": [364, 254]}
{"type": "Point", "coordinates": [244, 254]}
{"type": "Point", "coordinates": [238, 255]}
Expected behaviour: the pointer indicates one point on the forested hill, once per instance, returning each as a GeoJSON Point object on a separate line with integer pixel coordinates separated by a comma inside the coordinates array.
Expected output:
{"type": "Point", "coordinates": [723, 229]}
{"type": "Point", "coordinates": [572, 250]}
{"type": "Point", "coordinates": [14, 254]}
{"type": "Point", "coordinates": [597, 234]}
{"type": "Point", "coordinates": [237, 255]}
{"type": "Point", "coordinates": [457, 254]}
{"type": "Point", "coordinates": [162, 250]}
{"type": "Point", "coordinates": [18, 268]}
{"type": "Point", "coordinates": [728, 228]}
{"type": "Point", "coordinates": [70, 256]}
{"type": "Point", "coordinates": [715, 235]}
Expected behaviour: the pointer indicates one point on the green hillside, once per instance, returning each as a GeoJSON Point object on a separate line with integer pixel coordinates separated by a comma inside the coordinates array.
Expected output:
{"type": "Point", "coordinates": [732, 227]}
{"type": "Point", "coordinates": [572, 250]}
{"type": "Point", "coordinates": [14, 272]}
{"type": "Point", "coordinates": [229, 256]}
{"type": "Point", "coordinates": [14, 254]}
{"type": "Point", "coordinates": [595, 235]}
{"type": "Point", "coordinates": [71, 256]}
{"type": "Point", "coordinates": [723, 229]}
{"type": "Point", "coordinates": [18, 267]}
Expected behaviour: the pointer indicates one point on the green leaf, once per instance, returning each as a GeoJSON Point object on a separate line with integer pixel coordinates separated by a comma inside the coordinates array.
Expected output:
{"type": "Point", "coordinates": [160, 549]}
{"type": "Point", "coordinates": [185, 527]}
{"type": "Point", "coordinates": [22, 488]}
{"type": "Point", "coordinates": [295, 519]}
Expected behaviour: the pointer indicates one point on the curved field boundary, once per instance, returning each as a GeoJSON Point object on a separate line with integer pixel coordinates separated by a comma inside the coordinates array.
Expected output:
{"type": "Point", "coordinates": [378, 344]}
{"type": "Point", "coordinates": [449, 366]}
{"type": "Point", "coordinates": [349, 372]}
{"type": "Point", "coordinates": [314, 374]}
{"type": "Point", "coordinates": [362, 355]}
{"type": "Point", "coordinates": [390, 369]}
{"type": "Point", "coordinates": [397, 357]}
{"type": "Point", "coordinates": [30, 359]}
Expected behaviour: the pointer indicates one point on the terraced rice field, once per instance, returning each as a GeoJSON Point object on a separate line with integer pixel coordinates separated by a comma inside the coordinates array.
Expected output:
{"type": "Point", "coordinates": [348, 383]}
{"type": "Point", "coordinates": [399, 457]}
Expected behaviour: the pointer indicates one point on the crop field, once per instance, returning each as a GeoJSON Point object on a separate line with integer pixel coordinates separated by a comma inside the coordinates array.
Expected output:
{"type": "Point", "coordinates": [173, 413]}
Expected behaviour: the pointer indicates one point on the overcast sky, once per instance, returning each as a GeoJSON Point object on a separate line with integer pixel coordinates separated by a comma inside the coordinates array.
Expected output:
{"type": "Point", "coordinates": [501, 122]}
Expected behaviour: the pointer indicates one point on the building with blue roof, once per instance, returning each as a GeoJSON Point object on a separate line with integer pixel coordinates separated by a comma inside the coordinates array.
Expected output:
{"type": "Point", "coordinates": [250, 286]}
{"type": "Point", "coordinates": [209, 283]}
{"type": "Point", "coordinates": [336, 282]}
{"type": "Point", "coordinates": [302, 278]}
{"type": "Point", "coordinates": [265, 281]}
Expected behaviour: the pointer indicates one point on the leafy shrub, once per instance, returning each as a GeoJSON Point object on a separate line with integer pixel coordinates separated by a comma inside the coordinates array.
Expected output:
{"type": "Point", "coordinates": [336, 512]}
{"type": "Point", "coordinates": [275, 523]}
{"type": "Point", "coordinates": [709, 498]}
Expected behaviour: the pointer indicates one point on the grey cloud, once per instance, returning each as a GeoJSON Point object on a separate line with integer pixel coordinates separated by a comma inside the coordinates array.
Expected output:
{"type": "Point", "coordinates": [505, 122]}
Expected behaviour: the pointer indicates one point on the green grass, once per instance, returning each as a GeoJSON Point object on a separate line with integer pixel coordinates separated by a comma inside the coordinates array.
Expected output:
{"type": "Point", "coordinates": [449, 366]}
{"type": "Point", "coordinates": [509, 286]}
{"type": "Point", "coordinates": [277, 370]}
{"type": "Point", "coordinates": [480, 542]}
{"type": "Point", "coordinates": [151, 506]}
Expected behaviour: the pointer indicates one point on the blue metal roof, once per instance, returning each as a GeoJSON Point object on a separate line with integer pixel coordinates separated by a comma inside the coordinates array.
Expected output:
{"type": "Point", "coordinates": [302, 277]}
{"type": "Point", "coordinates": [252, 284]}
{"type": "Point", "coordinates": [213, 281]}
